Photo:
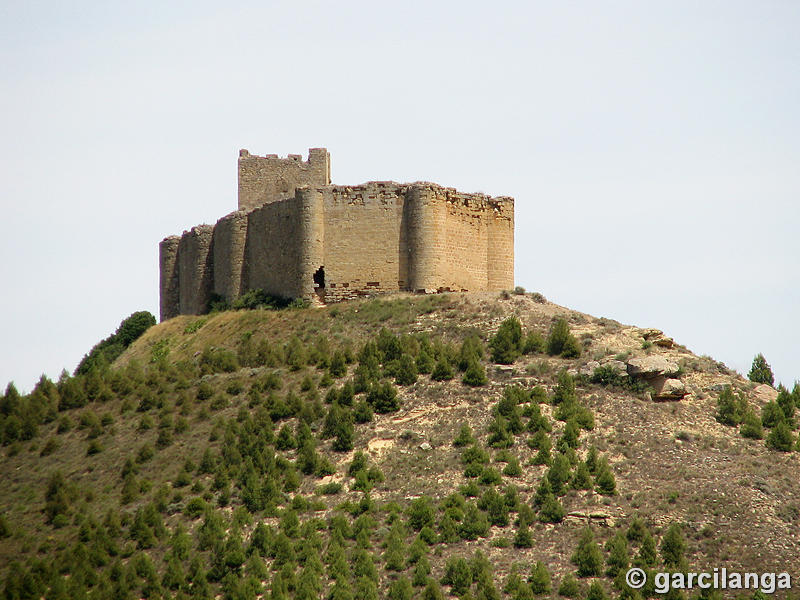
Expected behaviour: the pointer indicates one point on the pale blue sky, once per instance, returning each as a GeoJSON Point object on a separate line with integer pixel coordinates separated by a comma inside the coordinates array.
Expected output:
{"type": "Point", "coordinates": [653, 149]}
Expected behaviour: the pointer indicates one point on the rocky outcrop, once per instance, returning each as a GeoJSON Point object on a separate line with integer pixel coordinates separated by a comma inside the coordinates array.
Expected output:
{"type": "Point", "coordinates": [660, 374]}
{"type": "Point", "coordinates": [657, 337]}
{"type": "Point", "coordinates": [668, 389]}
{"type": "Point", "coordinates": [648, 367]}
{"type": "Point", "coordinates": [761, 394]}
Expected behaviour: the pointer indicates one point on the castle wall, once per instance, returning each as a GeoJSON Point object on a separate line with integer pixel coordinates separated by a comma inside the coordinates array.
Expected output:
{"type": "Point", "coordinates": [230, 237]}
{"type": "Point", "coordinates": [365, 240]}
{"type": "Point", "coordinates": [461, 243]}
{"type": "Point", "coordinates": [500, 257]}
{"type": "Point", "coordinates": [169, 284]}
{"type": "Point", "coordinates": [275, 235]}
{"type": "Point", "coordinates": [264, 179]}
{"type": "Point", "coordinates": [195, 269]}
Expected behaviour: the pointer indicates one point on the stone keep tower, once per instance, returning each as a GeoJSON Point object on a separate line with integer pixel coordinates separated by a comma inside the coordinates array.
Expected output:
{"type": "Point", "coordinates": [298, 236]}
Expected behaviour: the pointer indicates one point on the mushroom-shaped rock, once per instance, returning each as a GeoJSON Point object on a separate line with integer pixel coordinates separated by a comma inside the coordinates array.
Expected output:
{"type": "Point", "coordinates": [669, 389]}
{"type": "Point", "coordinates": [648, 367]}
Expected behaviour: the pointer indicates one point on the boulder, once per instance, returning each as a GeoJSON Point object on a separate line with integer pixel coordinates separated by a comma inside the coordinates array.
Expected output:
{"type": "Point", "coordinates": [620, 367]}
{"type": "Point", "coordinates": [649, 367]}
{"type": "Point", "coordinates": [668, 389]}
{"type": "Point", "coordinates": [761, 394]}
{"type": "Point", "coordinates": [657, 337]}
{"type": "Point", "coordinates": [588, 368]}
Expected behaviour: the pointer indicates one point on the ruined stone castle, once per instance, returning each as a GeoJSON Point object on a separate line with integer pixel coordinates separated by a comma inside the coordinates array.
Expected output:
{"type": "Point", "coordinates": [296, 235]}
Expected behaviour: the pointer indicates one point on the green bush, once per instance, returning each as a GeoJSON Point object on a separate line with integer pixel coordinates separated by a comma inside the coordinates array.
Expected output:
{"type": "Point", "coordinates": [780, 438]}
{"type": "Point", "coordinates": [107, 351]}
{"type": "Point", "coordinates": [506, 344]}
{"type": "Point", "coordinates": [751, 427]}
{"type": "Point", "coordinates": [673, 547]}
{"type": "Point", "coordinates": [406, 373]}
{"type": "Point", "coordinates": [760, 371]}
{"type": "Point", "coordinates": [569, 587]}
{"type": "Point", "coordinates": [475, 375]}
{"type": "Point", "coordinates": [464, 437]}
{"type": "Point", "coordinates": [383, 397]}
{"type": "Point", "coordinates": [588, 557]}
{"type": "Point", "coordinates": [330, 489]}
{"type": "Point", "coordinates": [561, 341]}
{"type": "Point", "coordinates": [534, 343]}
{"type": "Point", "coordinates": [458, 576]}
{"type": "Point", "coordinates": [730, 407]}
{"type": "Point", "coordinates": [442, 371]}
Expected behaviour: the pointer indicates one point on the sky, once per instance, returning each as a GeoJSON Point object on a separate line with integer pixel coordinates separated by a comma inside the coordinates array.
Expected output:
{"type": "Point", "coordinates": [652, 149]}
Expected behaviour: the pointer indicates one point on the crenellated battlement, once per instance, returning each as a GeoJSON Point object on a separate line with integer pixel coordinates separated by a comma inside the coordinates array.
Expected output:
{"type": "Point", "coordinates": [296, 235]}
{"type": "Point", "coordinates": [268, 178]}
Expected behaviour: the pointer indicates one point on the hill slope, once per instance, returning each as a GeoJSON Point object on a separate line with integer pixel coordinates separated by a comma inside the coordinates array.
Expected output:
{"type": "Point", "coordinates": [215, 457]}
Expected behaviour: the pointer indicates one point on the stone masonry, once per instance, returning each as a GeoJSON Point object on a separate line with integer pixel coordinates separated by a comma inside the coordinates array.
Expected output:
{"type": "Point", "coordinates": [297, 236]}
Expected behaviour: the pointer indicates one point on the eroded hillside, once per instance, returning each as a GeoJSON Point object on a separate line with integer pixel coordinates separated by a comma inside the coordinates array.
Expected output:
{"type": "Point", "coordinates": [307, 453]}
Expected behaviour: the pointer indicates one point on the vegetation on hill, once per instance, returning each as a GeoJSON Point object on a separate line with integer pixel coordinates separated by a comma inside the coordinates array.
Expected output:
{"type": "Point", "coordinates": [409, 447]}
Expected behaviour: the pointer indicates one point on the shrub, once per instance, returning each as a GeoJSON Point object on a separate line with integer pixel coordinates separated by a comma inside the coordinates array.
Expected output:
{"type": "Point", "coordinates": [730, 407]}
{"type": "Point", "coordinates": [751, 426]}
{"type": "Point", "coordinates": [539, 579]}
{"type": "Point", "coordinates": [562, 342]}
{"type": "Point", "coordinates": [442, 371]}
{"type": "Point", "coordinates": [475, 375]}
{"type": "Point", "coordinates": [362, 413]}
{"type": "Point", "coordinates": [534, 343]}
{"type": "Point", "coordinates": [406, 370]}
{"type": "Point", "coordinates": [464, 437]}
{"type": "Point", "coordinates": [107, 351]}
{"type": "Point", "coordinates": [780, 438]}
{"type": "Point", "coordinates": [772, 414]}
{"type": "Point", "coordinates": [506, 344]}
{"type": "Point", "coordinates": [569, 587]}
{"type": "Point", "coordinates": [421, 513]}
{"type": "Point", "coordinates": [596, 591]}
{"type": "Point", "coordinates": [760, 371]}
{"type": "Point", "coordinates": [604, 478]}
{"type": "Point", "coordinates": [588, 557]}
{"type": "Point", "coordinates": [458, 576]}
{"type": "Point", "coordinates": [673, 547]}
{"type": "Point", "coordinates": [330, 489]}
{"type": "Point", "coordinates": [383, 397]}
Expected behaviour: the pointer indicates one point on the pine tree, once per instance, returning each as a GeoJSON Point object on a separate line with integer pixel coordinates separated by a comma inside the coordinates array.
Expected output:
{"type": "Point", "coordinates": [475, 375]}
{"type": "Point", "coordinates": [569, 587]}
{"type": "Point", "coordinates": [760, 371]}
{"type": "Point", "coordinates": [582, 479]}
{"type": "Point", "coordinates": [673, 547]}
{"type": "Point", "coordinates": [646, 556]}
{"type": "Point", "coordinates": [605, 480]}
{"type": "Point", "coordinates": [780, 438]}
{"type": "Point", "coordinates": [561, 341]}
{"type": "Point", "coordinates": [506, 344]}
{"type": "Point", "coordinates": [523, 537]}
{"type": "Point", "coordinates": [406, 371]}
{"type": "Point", "coordinates": [751, 427]}
{"type": "Point", "coordinates": [618, 559]}
{"type": "Point", "coordinates": [730, 407]}
{"type": "Point", "coordinates": [464, 437]}
{"type": "Point", "coordinates": [588, 557]}
{"type": "Point", "coordinates": [539, 579]}
{"type": "Point", "coordinates": [596, 591]}
{"type": "Point", "coordinates": [442, 371]}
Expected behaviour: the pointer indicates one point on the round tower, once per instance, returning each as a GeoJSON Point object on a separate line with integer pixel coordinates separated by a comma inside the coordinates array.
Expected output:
{"type": "Point", "coordinates": [311, 255]}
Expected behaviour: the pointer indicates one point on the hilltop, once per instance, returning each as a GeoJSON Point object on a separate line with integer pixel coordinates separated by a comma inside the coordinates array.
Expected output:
{"type": "Point", "coordinates": [310, 452]}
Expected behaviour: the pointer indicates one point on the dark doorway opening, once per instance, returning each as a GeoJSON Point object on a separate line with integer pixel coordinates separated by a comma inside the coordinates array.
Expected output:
{"type": "Point", "coordinates": [319, 277]}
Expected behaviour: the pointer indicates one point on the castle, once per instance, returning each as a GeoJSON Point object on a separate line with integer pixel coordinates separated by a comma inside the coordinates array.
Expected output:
{"type": "Point", "coordinates": [296, 235]}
